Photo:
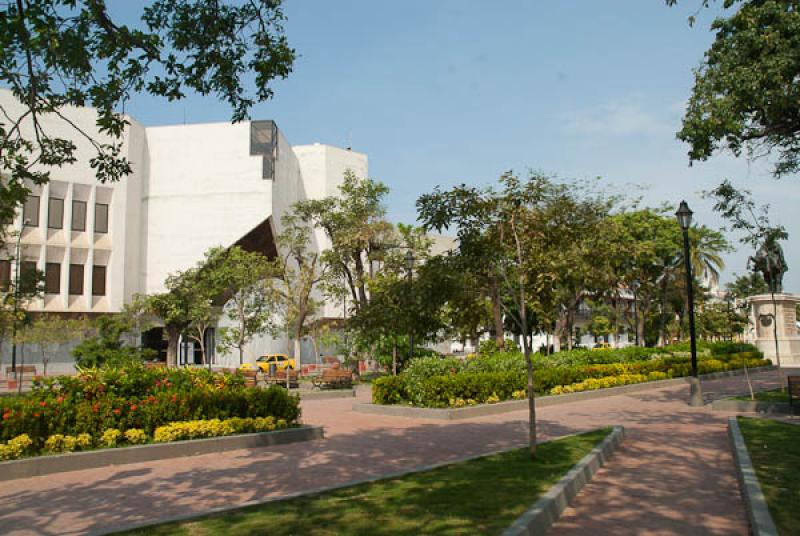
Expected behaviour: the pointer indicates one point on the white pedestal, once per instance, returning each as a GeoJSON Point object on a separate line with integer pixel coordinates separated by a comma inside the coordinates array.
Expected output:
{"type": "Point", "coordinates": [762, 315]}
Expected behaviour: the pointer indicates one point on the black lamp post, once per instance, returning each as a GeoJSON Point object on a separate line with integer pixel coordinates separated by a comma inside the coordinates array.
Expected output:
{"type": "Point", "coordinates": [684, 215]}
{"type": "Point", "coordinates": [635, 287]}
{"type": "Point", "coordinates": [17, 265]}
{"type": "Point", "coordinates": [410, 274]}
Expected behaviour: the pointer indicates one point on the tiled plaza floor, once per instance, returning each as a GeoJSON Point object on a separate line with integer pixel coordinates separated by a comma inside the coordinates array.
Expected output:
{"type": "Point", "coordinates": [674, 474]}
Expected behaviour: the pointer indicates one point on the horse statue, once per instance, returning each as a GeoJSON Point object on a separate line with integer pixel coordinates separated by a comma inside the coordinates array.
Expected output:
{"type": "Point", "coordinates": [770, 262]}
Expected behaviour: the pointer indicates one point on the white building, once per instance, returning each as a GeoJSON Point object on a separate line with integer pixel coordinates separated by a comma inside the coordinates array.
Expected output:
{"type": "Point", "coordinates": [193, 187]}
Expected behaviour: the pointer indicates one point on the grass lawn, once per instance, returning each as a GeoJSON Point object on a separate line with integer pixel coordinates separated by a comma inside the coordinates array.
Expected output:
{"type": "Point", "coordinates": [775, 395]}
{"type": "Point", "coordinates": [773, 448]}
{"type": "Point", "coordinates": [482, 496]}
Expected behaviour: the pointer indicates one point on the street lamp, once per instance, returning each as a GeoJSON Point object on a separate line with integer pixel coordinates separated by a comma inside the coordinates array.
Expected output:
{"type": "Point", "coordinates": [684, 215]}
{"type": "Point", "coordinates": [410, 273]}
{"type": "Point", "coordinates": [17, 265]}
{"type": "Point", "coordinates": [635, 287]}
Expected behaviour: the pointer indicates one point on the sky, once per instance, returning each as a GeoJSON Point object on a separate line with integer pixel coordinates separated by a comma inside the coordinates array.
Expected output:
{"type": "Point", "coordinates": [447, 92]}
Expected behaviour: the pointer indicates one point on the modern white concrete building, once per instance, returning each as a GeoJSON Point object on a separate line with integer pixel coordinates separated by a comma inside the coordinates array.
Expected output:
{"type": "Point", "coordinates": [193, 187]}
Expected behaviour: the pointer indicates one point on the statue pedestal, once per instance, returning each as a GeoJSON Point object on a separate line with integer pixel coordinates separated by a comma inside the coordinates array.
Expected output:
{"type": "Point", "coordinates": [764, 315]}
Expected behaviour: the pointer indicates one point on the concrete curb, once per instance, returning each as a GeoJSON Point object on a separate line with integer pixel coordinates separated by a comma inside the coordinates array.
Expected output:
{"type": "Point", "coordinates": [751, 406]}
{"type": "Point", "coordinates": [76, 461]}
{"type": "Point", "coordinates": [317, 491]}
{"type": "Point", "coordinates": [761, 523]}
{"type": "Point", "coordinates": [549, 507]}
{"type": "Point", "coordinates": [327, 394]}
{"type": "Point", "coordinates": [482, 410]}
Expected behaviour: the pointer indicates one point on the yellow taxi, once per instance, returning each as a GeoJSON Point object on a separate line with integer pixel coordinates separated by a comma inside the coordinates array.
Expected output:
{"type": "Point", "coordinates": [280, 361]}
{"type": "Point", "coordinates": [602, 345]}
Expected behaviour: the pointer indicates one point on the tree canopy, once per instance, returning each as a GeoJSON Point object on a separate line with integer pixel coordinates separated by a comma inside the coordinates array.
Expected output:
{"type": "Point", "coordinates": [57, 53]}
{"type": "Point", "coordinates": [746, 95]}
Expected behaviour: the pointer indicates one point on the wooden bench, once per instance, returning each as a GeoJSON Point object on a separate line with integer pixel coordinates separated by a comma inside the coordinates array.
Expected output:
{"type": "Point", "coordinates": [279, 378]}
{"type": "Point", "coordinates": [794, 389]}
{"type": "Point", "coordinates": [22, 369]}
{"type": "Point", "coordinates": [333, 378]}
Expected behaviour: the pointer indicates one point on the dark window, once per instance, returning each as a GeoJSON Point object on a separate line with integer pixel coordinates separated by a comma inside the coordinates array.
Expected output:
{"type": "Point", "coordinates": [30, 211]}
{"type": "Point", "coordinates": [5, 274]}
{"type": "Point", "coordinates": [98, 281]}
{"type": "Point", "coordinates": [78, 215]}
{"type": "Point", "coordinates": [100, 218]}
{"type": "Point", "coordinates": [52, 278]}
{"type": "Point", "coordinates": [55, 214]}
{"type": "Point", "coordinates": [76, 279]}
{"type": "Point", "coordinates": [28, 277]}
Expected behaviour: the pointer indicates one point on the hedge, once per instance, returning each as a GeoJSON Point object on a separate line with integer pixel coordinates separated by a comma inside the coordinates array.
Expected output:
{"type": "Point", "coordinates": [136, 398]}
{"type": "Point", "coordinates": [471, 383]}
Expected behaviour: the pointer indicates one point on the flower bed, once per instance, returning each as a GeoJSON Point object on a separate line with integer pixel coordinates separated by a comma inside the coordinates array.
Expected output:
{"type": "Point", "coordinates": [449, 382]}
{"type": "Point", "coordinates": [109, 407]}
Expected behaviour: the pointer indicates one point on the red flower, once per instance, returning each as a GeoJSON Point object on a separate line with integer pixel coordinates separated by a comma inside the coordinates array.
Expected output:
{"type": "Point", "coordinates": [43, 404]}
{"type": "Point", "coordinates": [174, 398]}
{"type": "Point", "coordinates": [6, 415]}
{"type": "Point", "coordinates": [133, 407]}
{"type": "Point", "coordinates": [151, 398]}
{"type": "Point", "coordinates": [95, 407]}
{"type": "Point", "coordinates": [117, 411]}
{"type": "Point", "coordinates": [36, 414]}
{"type": "Point", "coordinates": [60, 399]}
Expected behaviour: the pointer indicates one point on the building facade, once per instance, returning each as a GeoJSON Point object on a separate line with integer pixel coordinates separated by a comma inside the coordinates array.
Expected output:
{"type": "Point", "coordinates": [193, 187]}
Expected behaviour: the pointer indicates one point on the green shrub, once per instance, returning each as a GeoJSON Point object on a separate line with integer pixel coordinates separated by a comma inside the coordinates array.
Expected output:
{"type": "Point", "coordinates": [99, 400]}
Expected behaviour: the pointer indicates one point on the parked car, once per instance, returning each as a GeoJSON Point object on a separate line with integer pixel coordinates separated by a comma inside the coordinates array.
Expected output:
{"type": "Point", "coordinates": [278, 361]}
{"type": "Point", "coordinates": [602, 345]}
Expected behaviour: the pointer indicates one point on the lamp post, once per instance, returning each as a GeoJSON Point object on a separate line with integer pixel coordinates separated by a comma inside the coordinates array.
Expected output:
{"type": "Point", "coordinates": [635, 287]}
{"type": "Point", "coordinates": [17, 265]}
{"type": "Point", "coordinates": [410, 274]}
{"type": "Point", "coordinates": [684, 215]}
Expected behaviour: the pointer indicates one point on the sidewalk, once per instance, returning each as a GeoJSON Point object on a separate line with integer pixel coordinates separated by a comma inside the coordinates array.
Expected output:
{"type": "Point", "coordinates": [674, 474]}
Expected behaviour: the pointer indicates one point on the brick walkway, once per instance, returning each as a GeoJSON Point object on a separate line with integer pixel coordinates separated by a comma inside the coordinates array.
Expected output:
{"type": "Point", "coordinates": [674, 474]}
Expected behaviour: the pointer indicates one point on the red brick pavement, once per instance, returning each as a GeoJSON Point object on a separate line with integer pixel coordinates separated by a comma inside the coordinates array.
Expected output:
{"type": "Point", "coordinates": [674, 474]}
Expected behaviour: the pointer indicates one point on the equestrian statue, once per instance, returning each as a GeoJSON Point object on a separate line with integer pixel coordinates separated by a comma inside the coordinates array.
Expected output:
{"type": "Point", "coordinates": [770, 262]}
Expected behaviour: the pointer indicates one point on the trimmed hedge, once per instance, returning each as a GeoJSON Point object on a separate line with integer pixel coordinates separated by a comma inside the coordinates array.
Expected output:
{"type": "Point", "coordinates": [471, 381]}
{"type": "Point", "coordinates": [136, 398]}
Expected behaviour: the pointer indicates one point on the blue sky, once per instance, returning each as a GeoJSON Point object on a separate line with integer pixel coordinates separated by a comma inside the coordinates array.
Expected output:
{"type": "Point", "coordinates": [444, 92]}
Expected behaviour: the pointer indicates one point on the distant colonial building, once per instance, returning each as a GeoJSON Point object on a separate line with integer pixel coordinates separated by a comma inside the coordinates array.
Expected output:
{"type": "Point", "coordinates": [193, 187]}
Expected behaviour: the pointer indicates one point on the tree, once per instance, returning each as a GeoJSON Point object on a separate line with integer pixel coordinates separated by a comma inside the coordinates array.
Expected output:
{"type": "Point", "coordinates": [103, 343]}
{"type": "Point", "coordinates": [49, 331]}
{"type": "Point", "coordinates": [298, 270]}
{"type": "Point", "coordinates": [60, 53]}
{"type": "Point", "coordinates": [253, 301]}
{"type": "Point", "coordinates": [744, 286]}
{"type": "Point", "coordinates": [745, 96]}
{"type": "Point", "coordinates": [355, 223]}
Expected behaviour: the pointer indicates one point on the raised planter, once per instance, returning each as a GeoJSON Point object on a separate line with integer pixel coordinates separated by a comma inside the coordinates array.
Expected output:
{"type": "Point", "coordinates": [327, 394]}
{"type": "Point", "coordinates": [751, 406]}
{"type": "Point", "coordinates": [552, 504]}
{"type": "Point", "coordinates": [482, 410]}
{"type": "Point", "coordinates": [761, 523]}
{"type": "Point", "coordinates": [75, 461]}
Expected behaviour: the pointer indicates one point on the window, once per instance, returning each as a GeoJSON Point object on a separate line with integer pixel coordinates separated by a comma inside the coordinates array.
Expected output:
{"type": "Point", "coordinates": [5, 274]}
{"type": "Point", "coordinates": [30, 211]}
{"type": "Point", "coordinates": [100, 218]}
{"type": "Point", "coordinates": [98, 281]}
{"type": "Point", "coordinates": [55, 214]}
{"type": "Point", "coordinates": [78, 216]}
{"type": "Point", "coordinates": [76, 279]}
{"type": "Point", "coordinates": [28, 277]}
{"type": "Point", "coordinates": [52, 278]}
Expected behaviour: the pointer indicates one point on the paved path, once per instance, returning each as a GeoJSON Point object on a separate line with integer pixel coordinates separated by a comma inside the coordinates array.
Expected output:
{"type": "Point", "coordinates": [674, 474]}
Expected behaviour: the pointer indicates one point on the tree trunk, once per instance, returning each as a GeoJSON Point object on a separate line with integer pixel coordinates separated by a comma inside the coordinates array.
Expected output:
{"type": "Point", "coordinates": [172, 345]}
{"type": "Point", "coordinates": [394, 356]}
{"type": "Point", "coordinates": [497, 313]}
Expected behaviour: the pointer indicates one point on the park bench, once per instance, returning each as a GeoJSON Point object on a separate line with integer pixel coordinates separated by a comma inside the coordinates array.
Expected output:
{"type": "Point", "coordinates": [333, 378]}
{"type": "Point", "coordinates": [250, 377]}
{"type": "Point", "coordinates": [22, 369]}
{"type": "Point", "coordinates": [279, 378]}
{"type": "Point", "coordinates": [794, 390]}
